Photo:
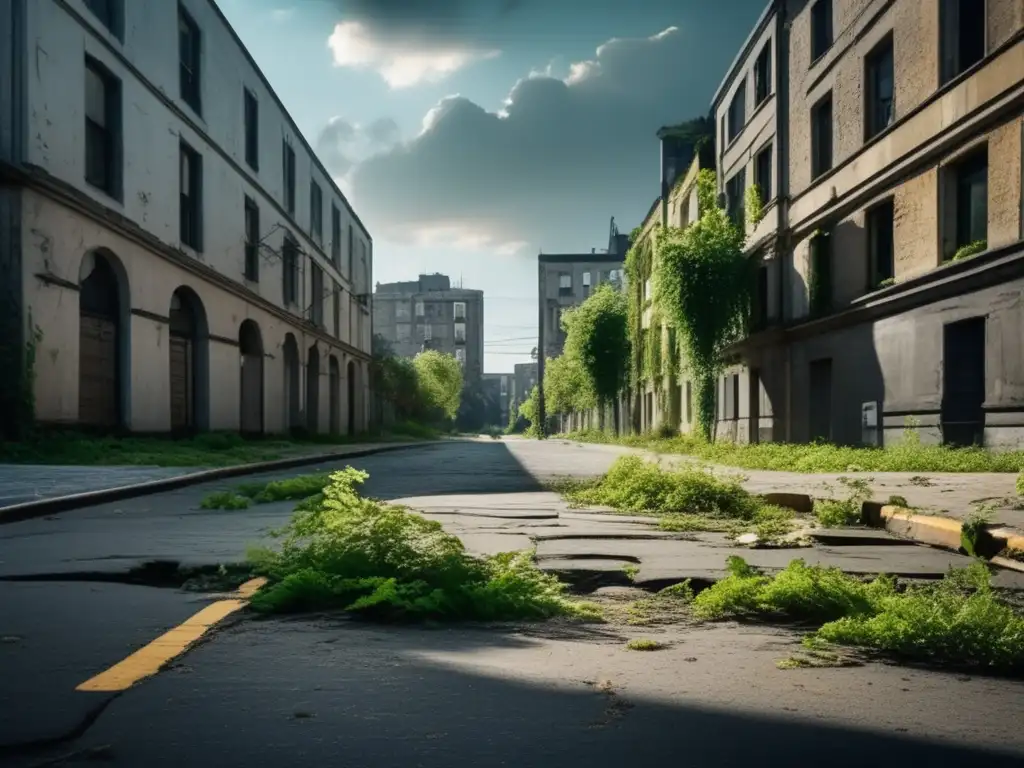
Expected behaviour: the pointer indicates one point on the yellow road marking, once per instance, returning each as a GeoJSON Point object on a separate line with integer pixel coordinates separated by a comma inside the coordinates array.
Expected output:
{"type": "Point", "coordinates": [147, 661]}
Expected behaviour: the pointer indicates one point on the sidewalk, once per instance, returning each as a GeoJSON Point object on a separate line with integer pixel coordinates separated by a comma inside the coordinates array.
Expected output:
{"type": "Point", "coordinates": [32, 490]}
{"type": "Point", "coordinates": [950, 494]}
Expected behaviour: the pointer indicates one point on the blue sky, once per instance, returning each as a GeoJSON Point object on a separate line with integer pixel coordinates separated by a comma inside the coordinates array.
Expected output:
{"type": "Point", "coordinates": [472, 134]}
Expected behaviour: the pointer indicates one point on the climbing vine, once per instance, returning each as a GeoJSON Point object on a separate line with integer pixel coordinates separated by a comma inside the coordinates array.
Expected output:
{"type": "Point", "coordinates": [753, 205]}
{"type": "Point", "coordinates": [637, 269]}
{"type": "Point", "coordinates": [703, 283]}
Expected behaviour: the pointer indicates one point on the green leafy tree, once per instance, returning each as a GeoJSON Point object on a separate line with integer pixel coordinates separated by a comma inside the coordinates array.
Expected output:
{"type": "Point", "coordinates": [567, 387]}
{"type": "Point", "coordinates": [597, 336]}
{"type": "Point", "coordinates": [395, 381]}
{"type": "Point", "coordinates": [702, 281]}
{"type": "Point", "coordinates": [440, 382]}
{"type": "Point", "coordinates": [528, 410]}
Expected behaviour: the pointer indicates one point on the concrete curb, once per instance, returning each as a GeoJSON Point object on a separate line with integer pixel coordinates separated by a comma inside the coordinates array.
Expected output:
{"type": "Point", "coordinates": [931, 530]}
{"type": "Point", "coordinates": [42, 507]}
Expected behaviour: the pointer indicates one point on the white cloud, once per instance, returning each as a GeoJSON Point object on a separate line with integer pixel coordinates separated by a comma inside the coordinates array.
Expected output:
{"type": "Point", "coordinates": [401, 65]}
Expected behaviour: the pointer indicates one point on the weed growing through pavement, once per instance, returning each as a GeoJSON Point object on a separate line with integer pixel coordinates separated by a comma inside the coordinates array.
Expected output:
{"type": "Point", "coordinates": [898, 501]}
{"type": "Point", "coordinates": [921, 481]}
{"type": "Point", "coordinates": [683, 499]}
{"type": "Point", "coordinates": [909, 455]}
{"type": "Point", "coordinates": [644, 644]}
{"type": "Point", "coordinates": [972, 527]}
{"type": "Point", "coordinates": [383, 561]}
{"type": "Point", "coordinates": [304, 487]}
{"type": "Point", "coordinates": [836, 513]}
{"type": "Point", "coordinates": [959, 620]}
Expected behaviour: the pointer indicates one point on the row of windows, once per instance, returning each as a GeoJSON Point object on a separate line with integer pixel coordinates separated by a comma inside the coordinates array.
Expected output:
{"type": "Point", "coordinates": [402, 310]}
{"type": "Point", "coordinates": [565, 280]}
{"type": "Point", "coordinates": [962, 43]}
{"type": "Point", "coordinates": [425, 331]}
{"type": "Point", "coordinates": [103, 138]}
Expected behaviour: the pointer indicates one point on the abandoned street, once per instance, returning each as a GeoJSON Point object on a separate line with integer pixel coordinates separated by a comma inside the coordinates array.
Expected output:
{"type": "Point", "coordinates": [326, 689]}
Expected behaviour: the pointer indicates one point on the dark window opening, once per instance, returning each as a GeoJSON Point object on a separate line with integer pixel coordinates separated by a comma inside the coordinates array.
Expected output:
{"type": "Point", "coordinates": [735, 189]}
{"type": "Point", "coordinates": [763, 173]}
{"type": "Point", "coordinates": [351, 255]}
{"type": "Point", "coordinates": [189, 56]}
{"type": "Point", "coordinates": [821, 28]}
{"type": "Point", "coordinates": [763, 74]}
{"type": "Point", "coordinates": [821, 137]}
{"type": "Point", "coordinates": [316, 212]}
{"type": "Point", "coordinates": [820, 297]}
{"type": "Point", "coordinates": [191, 181]}
{"type": "Point", "coordinates": [102, 129]}
{"type": "Point", "coordinates": [252, 240]}
{"type": "Point", "coordinates": [761, 299]}
{"type": "Point", "coordinates": [880, 229]}
{"type": "Point", "coordinates": [108, 12]}
{"type": "Point", "coordinates": [316, 287]}
{"type": "Point", "coordinates": [289, 178]}
{"type": "Point", "coordinates": [962, 36]}
{"type": "Point", "coordinates": [880, 89]}
{"type": "Point", "coordinates": [290, 270]}
{"type": "Point", "coordinates": [738, 111]}
{"type": "Point", "coordinates": [971, 200]}
{"type": "Point", "coordinates": [335, 236]}
{"type": "Point", "coordinates": [252, 130]}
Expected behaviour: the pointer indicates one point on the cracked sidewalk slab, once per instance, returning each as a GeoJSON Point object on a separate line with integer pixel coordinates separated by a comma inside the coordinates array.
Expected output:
{"type": "Point", "coordinates": [591, 544]}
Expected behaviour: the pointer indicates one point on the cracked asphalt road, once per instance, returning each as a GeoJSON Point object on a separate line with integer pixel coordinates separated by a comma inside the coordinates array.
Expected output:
{"type": "Point", "coordinates": [320, 690]}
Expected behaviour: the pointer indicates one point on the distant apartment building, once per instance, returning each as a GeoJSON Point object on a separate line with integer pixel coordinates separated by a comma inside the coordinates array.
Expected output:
{"type": "Point", "coordinates": [894, 256]}
{"type": "Point", "coordinates": [566, 280]}
{"type": "Point", "coordinates": [170, 245]}
{"type": "Point", "coordinates": [428, 313]}
{"type": "Point", "coordinates": [500, 390]}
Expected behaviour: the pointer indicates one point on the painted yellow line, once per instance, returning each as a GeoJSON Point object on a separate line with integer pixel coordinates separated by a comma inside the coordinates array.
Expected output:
{"type": "Point", "coordinates": [149, 660]}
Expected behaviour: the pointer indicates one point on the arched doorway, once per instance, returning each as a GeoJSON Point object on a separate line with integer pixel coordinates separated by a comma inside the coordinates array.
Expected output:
{"type": "Point", "coordinates": [351, 376]}
{"type": "Point", "coordinates": [102, 342]}
{"type": "Point", "coordinates": [250, 344]}
{"type": "Point", "coordinates": [313, 390]}
{"type": "Point", "coordinates": [334, 383]}
{"type": "Point", "coordinates": [188, 362]}
{"type": "Point", "coordinates": [291, 382]}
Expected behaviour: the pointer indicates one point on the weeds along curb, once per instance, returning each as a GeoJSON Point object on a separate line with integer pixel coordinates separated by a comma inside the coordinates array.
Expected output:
{"type": "Point", "coordinates": [42, 507]}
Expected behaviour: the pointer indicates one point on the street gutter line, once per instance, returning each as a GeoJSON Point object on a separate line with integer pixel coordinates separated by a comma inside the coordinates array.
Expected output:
{"type": "Point", "coordinates": [49, 506]}
{"type": "Point", "coordinates": [149, 660]}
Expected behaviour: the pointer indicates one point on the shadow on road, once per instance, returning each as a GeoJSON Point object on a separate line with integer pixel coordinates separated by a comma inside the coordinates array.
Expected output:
{"type": "Point", "coordinates": [319, 692]}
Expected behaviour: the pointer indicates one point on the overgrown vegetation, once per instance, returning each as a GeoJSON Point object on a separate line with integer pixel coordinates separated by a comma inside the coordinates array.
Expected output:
{"type": "Point", "coordinates": [644, 644]}
{"type": "Point", "coordinates": [597, 347]}
{"type": "Point", "coordinates": [839, 512]}
{"type": "Point", "coordinates": [970, 250]}
{"type": "Point", "coordinates": [380, 560]}
{"type": "Point", "coordinates": [820, 457]}
{"type": "Point", "coordinates": [958, 620]}
{"type": "Point", "coordinates": [427, 389]}
{"type": "Point", "coordinates": [683, 499]}
{"type": "Point", "coordinates": [703, 284]}
{"type": "Point", "coordinates": [299, 487]}
{"type": "Point", "coordinates": [753, 205]}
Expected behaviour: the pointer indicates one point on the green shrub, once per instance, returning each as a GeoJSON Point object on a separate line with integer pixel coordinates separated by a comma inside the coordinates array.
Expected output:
{"type": "Point", "coordinates": [363, 556]}
{"type": "Point", "coordinates": [644, 644]}
{"type": "Point", "coordinates": [1020, 484]}
{"type": "Point", "coordinates": [959, 620]}
{"type": "Point", "coordinates": [834, 513]}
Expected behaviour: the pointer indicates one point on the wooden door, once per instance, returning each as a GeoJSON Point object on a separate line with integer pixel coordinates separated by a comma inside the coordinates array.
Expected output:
{"type": "Point", "coordinates": [181, 383]}
{"type": "Point", "coordinates": [97, 376]}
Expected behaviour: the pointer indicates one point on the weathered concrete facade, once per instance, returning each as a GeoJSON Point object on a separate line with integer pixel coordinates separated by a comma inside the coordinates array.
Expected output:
{"type": "Point", "coordinates": [901, 241]}
{"type": "Point", "coordinates": [180, 273]}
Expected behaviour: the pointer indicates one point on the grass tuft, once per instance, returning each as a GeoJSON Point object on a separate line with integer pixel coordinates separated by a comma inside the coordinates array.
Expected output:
{"type": "Point", "coordinates": [360, 555]}
{"type": "Point", "coordinates": [225, 500]}
{"type": "Point", "coordinates": [644, 644]}
{"type": "Point", "coordinates": [958, 620]}
{"type": "Point", "coordinates": [684, 499]}
{"type": "Point", "coordinates": [906, 456]}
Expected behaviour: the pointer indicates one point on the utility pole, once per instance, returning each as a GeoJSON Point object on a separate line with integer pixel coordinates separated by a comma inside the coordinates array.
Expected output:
{"type": "Point", "coordinates": [540, 347]}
